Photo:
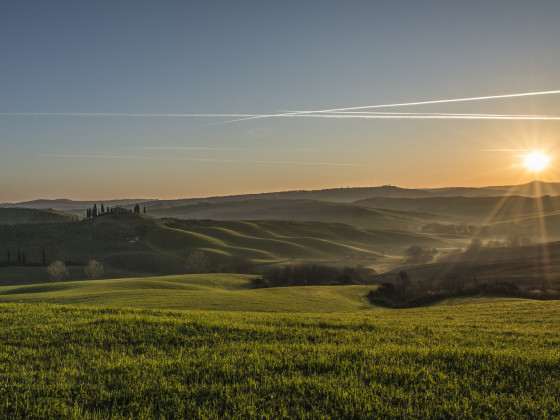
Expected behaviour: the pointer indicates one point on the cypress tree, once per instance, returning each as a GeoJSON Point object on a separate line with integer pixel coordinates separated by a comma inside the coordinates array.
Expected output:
{"type": "Point", "coordinates": [144, 209]}
{"type": "Point", "coordinates": [94, 211]}
{"type": "Point", "coordinates": [102, 209]}
{"type": "Point", "coordinates": [137, 209]}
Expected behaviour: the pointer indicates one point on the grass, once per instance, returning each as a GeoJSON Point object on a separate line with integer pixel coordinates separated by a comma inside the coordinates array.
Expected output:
{"type": "Point", "coordinates": [490, 359]}
{"type": "Point", "coordinates": [228, 292]}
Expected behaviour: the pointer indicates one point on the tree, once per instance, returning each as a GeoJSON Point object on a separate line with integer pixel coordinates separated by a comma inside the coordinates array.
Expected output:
{"type": "Point", "coordinates": [102, 209]}
{"type": "Point", "coordinates": [475, 245]}
{"type": "Point", "coordinates": [137, 209]}
{"type": "Point", "coordinates": [94, 269]}
{"type": "Point", "coordinates": [197, 262]}
{"type": "Point", "coordinates": [57, 270]}
{"type": "Point", "coordinates": [417, 254]}
{"type": "Point", "coordinates": [144, 209]}
{"type": "Point", "coordinates": [404, 281]}
{"type": "Point", "coordinates": [94, 211]}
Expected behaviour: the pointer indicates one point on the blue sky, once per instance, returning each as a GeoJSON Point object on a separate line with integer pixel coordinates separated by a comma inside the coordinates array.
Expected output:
{"type": "Point", "coordinates": [263, 57]}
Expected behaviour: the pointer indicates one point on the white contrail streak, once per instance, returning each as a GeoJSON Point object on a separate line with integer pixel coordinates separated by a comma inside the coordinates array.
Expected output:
{"type": "Point", "coordinates": [438, 101]}
{"type": "Point", "coordinates": [109, 114]}
{"type": "Point", "coordinates": [424, 117]}
{"type": "Point", "coordinates": [198, 160]}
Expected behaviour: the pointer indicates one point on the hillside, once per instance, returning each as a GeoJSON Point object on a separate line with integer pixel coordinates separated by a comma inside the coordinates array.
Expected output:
{"type": "Point", "coordinates": [30, 215]}
{"type": "Point", "coordinates": [223, 292]}
{"type": "Point", "coordinates": [300, 210]}
{"type": "Point", "coordinates": [133, 245]}
{"type": "Point", "coordinates": [485, 210]}
{"type": "Point", "coordinates": [529, 267]}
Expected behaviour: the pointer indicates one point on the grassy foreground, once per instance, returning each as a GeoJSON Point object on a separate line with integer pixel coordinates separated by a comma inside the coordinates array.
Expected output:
{"type": "Point", "coordinates": [224, 292]}
{"type": "Point", "coordinates": [495, 358]}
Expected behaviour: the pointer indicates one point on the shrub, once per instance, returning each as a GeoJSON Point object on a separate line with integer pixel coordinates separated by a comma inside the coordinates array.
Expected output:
{"type": "Point", "coordinates": [57, 270]}
{"type": "Point", "coordinates": [94, 269]}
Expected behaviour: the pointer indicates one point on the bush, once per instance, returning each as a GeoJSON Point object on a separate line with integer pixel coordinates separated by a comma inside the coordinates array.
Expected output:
{"type": "Point", "coordinates": [57, 270]}
{"type": "Point", "coordinates": [94, 269]}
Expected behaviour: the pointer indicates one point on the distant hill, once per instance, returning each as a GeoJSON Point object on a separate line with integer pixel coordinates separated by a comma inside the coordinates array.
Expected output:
{"type": "Point", "coordinates": [471, 209]}
{"type": "Point", "coordinates": [298, 210]}
{"type": "Point", "coordinates": [68, 205]}
{"type": "Point", "coordinates": [335, 195]}
{"type": "Point", "coordinates": [531, 189]}
{"type": "Point", "coordinates": [28, 215]}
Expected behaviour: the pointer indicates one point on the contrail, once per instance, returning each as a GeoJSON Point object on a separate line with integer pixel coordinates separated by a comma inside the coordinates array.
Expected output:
{"type": "Point", "coordinates": [422, 117]}
{"type": "Point", "coordinates": [198, 160]}
{"type": "Point", "coordinates": [110, 114]}
{"type": "Point", "coordinates": [438, 101]}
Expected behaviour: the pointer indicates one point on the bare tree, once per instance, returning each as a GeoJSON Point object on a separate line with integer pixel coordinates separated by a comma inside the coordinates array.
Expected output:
{"type": "Point", "coordinates": [404, 281]}
{"type": "Point", "coordinates": [57, 270]}
{"type": "Point", "coordinates": [94, 269]}
{"type": "Point", "coordinates": [417, 254]}
{"type": "Point", "coordinates": [197, 262]}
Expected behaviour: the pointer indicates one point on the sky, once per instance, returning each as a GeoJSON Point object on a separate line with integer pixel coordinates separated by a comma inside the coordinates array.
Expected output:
{"type": "Point", "coordinates": [147, 99]}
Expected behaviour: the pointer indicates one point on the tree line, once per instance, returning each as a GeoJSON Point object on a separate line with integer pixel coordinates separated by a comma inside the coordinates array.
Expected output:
{"type": "Point", "coordinates": [95, 211]}
{"type": "Point", "coordinates": [19, 257]}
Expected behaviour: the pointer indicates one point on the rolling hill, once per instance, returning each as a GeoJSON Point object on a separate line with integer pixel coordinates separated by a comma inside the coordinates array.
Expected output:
{"type": "Point", "coordinates": [31, 215]}
{"type": "Point", "coordinates": [223, 292]}
{"type": "Point", "coordinates": [300, 210]}
{"type": "Point", "coordinates": [134, 245]}
{"type": "Point", "coordinates": [335, 195]}
{"type": "Point", "coordinates": [485, 210]}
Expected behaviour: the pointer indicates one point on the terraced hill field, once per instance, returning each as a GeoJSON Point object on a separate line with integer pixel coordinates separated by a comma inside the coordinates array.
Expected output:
{"type": "Point", "coordinates": [133, 245]}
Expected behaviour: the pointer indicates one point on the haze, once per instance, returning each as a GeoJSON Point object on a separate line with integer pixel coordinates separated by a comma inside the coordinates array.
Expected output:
{"type": "Point", "coordinates": [94, 96]}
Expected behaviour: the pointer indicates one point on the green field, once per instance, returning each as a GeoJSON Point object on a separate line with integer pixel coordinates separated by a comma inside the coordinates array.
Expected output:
{"type": "Point", "coordinates": [203, 291]}
{"type": "Point", "coordinates": [470, 359]}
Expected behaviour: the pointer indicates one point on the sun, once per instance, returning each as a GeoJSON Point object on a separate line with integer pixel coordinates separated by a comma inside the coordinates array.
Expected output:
{"type": "Point", "coordinates": [536, 161]}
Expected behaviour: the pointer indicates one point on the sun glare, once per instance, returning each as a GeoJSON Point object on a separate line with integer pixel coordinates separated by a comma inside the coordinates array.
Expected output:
{"type": "Point", "coordinates": [536, 161]}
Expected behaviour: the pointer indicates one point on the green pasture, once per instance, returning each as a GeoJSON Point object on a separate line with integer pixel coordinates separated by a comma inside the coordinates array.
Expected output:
{"type": "Point", "coordinates": [488, 358]}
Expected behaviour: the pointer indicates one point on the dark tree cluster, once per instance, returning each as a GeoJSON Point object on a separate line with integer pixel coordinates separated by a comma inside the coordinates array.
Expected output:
{"type": "Point", "coordinates": [440, 228]}
{"type": "Point", "coordinates": [20, 258]}
{"type": "Point", "coordinates": [314, 275]}
{"type": "Point", "coordinates": [102, 210]}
